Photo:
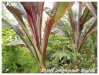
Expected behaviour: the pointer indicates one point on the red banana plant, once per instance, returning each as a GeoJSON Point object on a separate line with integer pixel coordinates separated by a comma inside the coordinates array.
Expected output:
{"type": "Point", "coordinates": [79, 27]}
{"type": "Point", "coordinates": [32, 12]}
{"type": "Point", "coordinates": [83, 24]}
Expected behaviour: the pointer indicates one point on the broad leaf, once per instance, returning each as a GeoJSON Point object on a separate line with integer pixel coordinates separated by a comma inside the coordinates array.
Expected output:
{"type": "Point", "coordinates": [18, 6]}
{"type": "Point", "coordinates": [15, 27]}
{"type": "Point", "coordinates": [5, 23]}
{"type": "Point", "coordinates": [57, 31]}
{"type": "Point", "coordinates": [62, 8]}
{"type": "Point", "coordinates": [15, 43]}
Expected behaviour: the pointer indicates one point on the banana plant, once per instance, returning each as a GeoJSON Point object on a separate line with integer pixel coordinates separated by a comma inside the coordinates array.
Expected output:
{"type": "Point", "coordinates": [79, 26]}
{"type": "Point", "coordinates": [82, 23]}
{"type": "Point", "coordinates": [31, 33]}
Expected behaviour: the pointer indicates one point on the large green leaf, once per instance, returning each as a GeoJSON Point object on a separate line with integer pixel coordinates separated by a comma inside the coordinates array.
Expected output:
{"type": "Point", "coordinates": [62, 8]}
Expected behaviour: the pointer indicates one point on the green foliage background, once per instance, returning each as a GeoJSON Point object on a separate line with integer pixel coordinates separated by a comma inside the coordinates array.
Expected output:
{"type": "Point", "coordinates": [16, 59]}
